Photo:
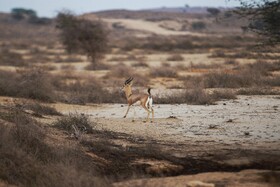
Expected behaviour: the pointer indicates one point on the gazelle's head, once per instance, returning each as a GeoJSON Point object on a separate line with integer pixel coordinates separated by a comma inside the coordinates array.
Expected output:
{"type": "Point", "coordinates": [127, 84]}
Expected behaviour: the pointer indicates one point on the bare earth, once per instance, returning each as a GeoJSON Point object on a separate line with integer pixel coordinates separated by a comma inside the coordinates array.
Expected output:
{"type": "Point", "coordinates": [252, 121]}
{"type": "Point", "coordinates": [242, 133]}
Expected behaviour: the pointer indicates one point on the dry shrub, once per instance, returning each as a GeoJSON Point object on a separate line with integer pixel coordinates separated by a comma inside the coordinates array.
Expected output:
{"type": "Point", "coordinates": [27, 160]}
{"type": "Point", "coordinates": [129, 57]}
{"type": "Point", "coordinates": [258, 91]}
{"type": "Point", "coordinates": [243, 54]}
{"type": "Point", "coordinates": [120, 71]}
{"type": "Point", "coordinates": [231, 62]}
{"type": "Point", "coordinates": [67, 68]}
{"type": "Point", "coordinates": [218, 54]}
{"type": "Point", "coordinates": [8, 83]}
{"type": "Point", "coordinates": [186, 43]}
{"type": "Point", "coordinates": [38, 109]}
{"type": "Point", "coordinates": [175, 57]}
{"type": "Point", "coordinates": [205, 66]}
{"type": "Point", "coordinates": [81, 121]}
{"type": "Point", "coordinates": [272, 81]}
{"type": "Point", "coordinates": [97, 66]}
{"type": "Point", "coordinates": [192, 96]}
{"type": "Point", "coordinates": [34, 84]}
{"type": "Point", "coordinates": [163, 72]}
{"type": "Point", "coordinates": [81, 92]}
{"type": "Point", "coordinates": [8, 58]}
{"type": "Point", "coordinates": [226, 80]}
{"type": "Point", "coordinates": [192, 81]}
{"type": "Point", "coordinates": [195, 96]}
{"type": "Point", "coordinates": [249, 75]}
{"type": "Point", "coordinates": [223, 94]}
{"type": "Point", "coordinates": [140, 64]}
{"type": "Point", "coordinates": [69, 58]}
{"type": "Point", "coordinates": [45, 67]}
{"type": "Point", "coordinates": [246, 76]}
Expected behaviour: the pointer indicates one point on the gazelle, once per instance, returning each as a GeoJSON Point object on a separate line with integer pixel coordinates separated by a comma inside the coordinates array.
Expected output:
{"type": "Point", "coordinates": [146, 100]}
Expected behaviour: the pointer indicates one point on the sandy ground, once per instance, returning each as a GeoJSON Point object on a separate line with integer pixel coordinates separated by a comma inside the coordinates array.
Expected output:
{"type": "Point", "coordinates": [153, 27]}
{"type": "Point", "coordinates": [249, 120]}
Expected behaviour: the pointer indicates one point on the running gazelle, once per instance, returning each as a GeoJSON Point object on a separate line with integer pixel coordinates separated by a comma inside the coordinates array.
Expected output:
{"type": "Point", "coordinates": [146, 100]}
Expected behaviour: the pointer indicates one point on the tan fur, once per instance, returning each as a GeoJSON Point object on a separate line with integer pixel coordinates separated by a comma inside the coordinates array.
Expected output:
{"type": "Point", "coordinates": [133, 98]}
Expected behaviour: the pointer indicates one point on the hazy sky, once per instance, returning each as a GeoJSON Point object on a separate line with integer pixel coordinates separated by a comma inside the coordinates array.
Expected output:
{"type": "Point", "coordinates": [49, 8]}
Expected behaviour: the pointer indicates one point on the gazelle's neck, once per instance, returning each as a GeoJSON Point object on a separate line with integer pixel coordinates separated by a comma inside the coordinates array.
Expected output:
{"type": "Point", "coordinates": [128, 92]}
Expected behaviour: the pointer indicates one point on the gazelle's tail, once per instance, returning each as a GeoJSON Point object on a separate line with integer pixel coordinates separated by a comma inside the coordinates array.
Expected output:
{"type": "Point", "coordinates": [149, 92]}
{"type": "Point", "coordinates": [149, 103]}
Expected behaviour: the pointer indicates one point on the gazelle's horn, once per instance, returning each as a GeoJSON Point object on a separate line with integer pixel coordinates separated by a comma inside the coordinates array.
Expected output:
{"type": "Point", "coordinates": [128, 80]}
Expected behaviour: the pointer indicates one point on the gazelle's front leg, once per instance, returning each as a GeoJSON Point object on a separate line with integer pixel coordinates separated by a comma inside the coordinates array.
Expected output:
{"type": "Point", "coordinates": [148, 116]}
{"type": "Point", "coordinates": [153, 115]}
{"type": "Point", "coordinates": [127, 111]}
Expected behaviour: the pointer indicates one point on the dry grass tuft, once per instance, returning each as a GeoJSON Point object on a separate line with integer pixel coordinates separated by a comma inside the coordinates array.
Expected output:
{"type": "Point", "coordinates": [164, 72]}
{"type": "Point", "coordinates": [97, 66]}
{"type": "Point", "coordinates": [175, 57]}
{"type": "Point", "coordinates": [81, 121]}
{"type": "Point", "coordinates": [8, 58]}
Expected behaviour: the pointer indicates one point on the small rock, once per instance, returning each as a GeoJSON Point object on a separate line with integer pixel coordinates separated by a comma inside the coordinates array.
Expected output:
{"type": "Point", "coordinates": [172, 117]}
{"type": "Point", "coordinates": [246, 133]}
{"type": "Point", "coordinates": [212, 126]}
{"type": "Point", "coordinates": [230, 121]}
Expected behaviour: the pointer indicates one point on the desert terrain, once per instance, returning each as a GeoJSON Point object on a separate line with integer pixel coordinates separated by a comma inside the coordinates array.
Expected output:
{"type": "Point", "coordinates": [216, 102]}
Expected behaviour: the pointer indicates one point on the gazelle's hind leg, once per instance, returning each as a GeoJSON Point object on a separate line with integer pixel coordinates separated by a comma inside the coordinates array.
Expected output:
{"type": "Point", "coordinates": [148, 111]}
{"type": "Point", "coordinates": [148, 116]}
{"type": "Point", "coordinates": [127, 111]}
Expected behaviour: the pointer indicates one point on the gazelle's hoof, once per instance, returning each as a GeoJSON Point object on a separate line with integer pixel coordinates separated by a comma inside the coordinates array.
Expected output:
{"type": "Point", "coordinates": [124, 117]}
{"type": "Point", "coordinates": [133, 120]}
{"type": "Point", "coordinates": [145, 121]}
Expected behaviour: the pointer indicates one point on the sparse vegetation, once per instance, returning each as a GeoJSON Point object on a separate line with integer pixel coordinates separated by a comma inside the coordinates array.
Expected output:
{"type": "Point", "coordinates": [8, 58]}
{"type": "Point", "coordinates": [198, 25]}
{"type": "Point", "coordinates": [175, 57]}
{"type": "Point", "coordinates": [25, 156]}
{"type": "Point", "coordinates": [262, 19]}
{"type": "Point", "coordinates": [179, 64]}
{"type": "Point", "coordinates": [164, 72]}
{"type": "Point", "coordinates": [81, 121]}
{"type": "Point", "coordinates": [82, 36]}
{"type": "Point", "coordinates": [33, 84]}
{"type": "Point", "coordinates": [196, 96]}
{"type": "Point", "coordinates": [38, 109]}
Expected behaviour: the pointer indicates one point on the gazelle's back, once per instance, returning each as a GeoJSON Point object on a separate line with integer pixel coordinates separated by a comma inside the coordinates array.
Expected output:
{"type": "Point", "coordinates": [138, 97]}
